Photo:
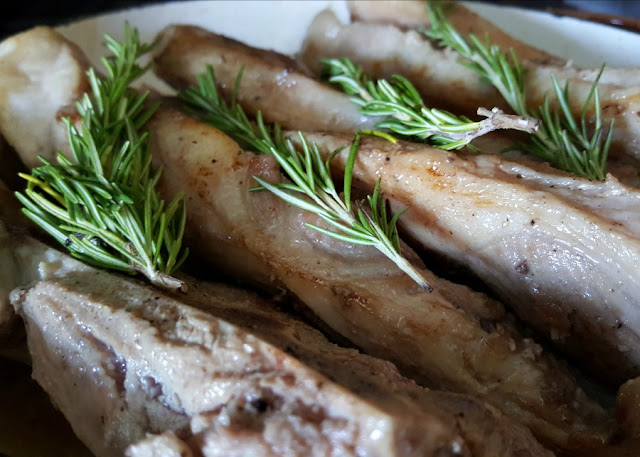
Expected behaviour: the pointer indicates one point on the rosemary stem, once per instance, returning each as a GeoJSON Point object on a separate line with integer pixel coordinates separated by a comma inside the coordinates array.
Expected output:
{"type": "Point", "coordinates": [102, 205]}
{"type": "Point", "coordinates": [311, 187]}
{"type": "Point", "coordinates": [561, 140]}
{"type": "Point", "coordinates": [405, 113]}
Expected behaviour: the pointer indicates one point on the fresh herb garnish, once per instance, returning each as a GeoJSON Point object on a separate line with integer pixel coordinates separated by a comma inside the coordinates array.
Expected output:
{"type": "Point", "coordinates": [311, 187]}
{"type": "Point", "coordinates": [406, 114]}
{"type": "Point", "coordinates": [564, 142]}
{"type": "Point", "coordinates": [102, 204]}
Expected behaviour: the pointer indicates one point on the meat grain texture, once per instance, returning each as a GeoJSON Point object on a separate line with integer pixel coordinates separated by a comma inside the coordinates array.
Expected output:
{"type": "Point", "coordinates": [413, 14]}
{"type": "Point", "coordinates": [383, 50]}
{"type": "Point", "coordinates": [566, 418]}
{"type": "Point", "coordinates": [453, 338]}
{"type": "Point", "coordinates": [559, 249]}
{"type": "Point", "coordinates": [574, 264]}
{"type": "Point", "coordinates": [279, 85]}
{"type": "Point", "coordinates": [235, 377]}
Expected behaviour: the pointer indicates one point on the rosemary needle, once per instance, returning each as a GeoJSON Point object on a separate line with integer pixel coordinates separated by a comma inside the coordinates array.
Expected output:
{"type": "Point", "coordinates": [102, 204]}
{"type": "Point", "coordinates": [406, 114]}
{"type": "Point", "coordinates": [564, 142]}
{"type": "Point", "coordinates": [311, 186]}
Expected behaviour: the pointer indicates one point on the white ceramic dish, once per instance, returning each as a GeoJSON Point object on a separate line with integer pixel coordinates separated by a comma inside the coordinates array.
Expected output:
{"type": "Point", "coordinates": [281, 25]}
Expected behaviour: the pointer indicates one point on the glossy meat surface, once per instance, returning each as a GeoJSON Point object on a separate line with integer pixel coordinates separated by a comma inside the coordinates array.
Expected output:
{"type": "Point", "coordinates": [383, 50]}
{"type": "Point", "coordinates": [595, 319]}
{"type": "Point", "coordinates": [275, 82]}
{"type": "Point", "coordinates": [234, 377]}
{"type": "Point", "coordinates": [453, 338]}
{"type": "Point", "coordinates": [412, 14]}
{"type": "Point", "coordinates": [559, 249]}
{"type": "Point", "coordinates": [475, 323]}
{"type": "Point", "coordinates": [159, 365]}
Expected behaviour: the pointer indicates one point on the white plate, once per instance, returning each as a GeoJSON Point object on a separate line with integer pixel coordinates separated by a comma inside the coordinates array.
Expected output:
{"type": "Point", "coordinates": [281, 25]}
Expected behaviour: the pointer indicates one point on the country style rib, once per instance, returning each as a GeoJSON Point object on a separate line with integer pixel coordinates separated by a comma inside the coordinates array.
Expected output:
{"type": "Point", "coordinates": [452, 338]}
{"type": "Point", "coordinates": [275, 80]}
{"type": "Point", "coordinates": [235, 377]}
{"type": "Point", "coordinates": [383, 50]}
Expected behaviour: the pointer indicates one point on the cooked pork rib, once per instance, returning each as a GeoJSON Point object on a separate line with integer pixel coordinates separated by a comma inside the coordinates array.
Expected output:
{"type": "Point", "coordinates": [592, 322]}
{"type": "Point", "coordinates": [179, 61]}
{"type": "Point", "coordinates": [185, 52]}
{"type": "Point", "coordinates": [452, 338]}
{"type": "Point", "coordinates": [412, 14]}
{"type": "Point", "coordinates": [122, 360]}
{"type": "Point", "coordinates": [475, 348]}
{"type": "Point", "coordinates": [275, 81]}
{"type": "Point", "coordinates": [383, 50]}
{"type": "Point", "coordinates": [38, 68]}
{"type": "Point", "coordinates": [560, 250]}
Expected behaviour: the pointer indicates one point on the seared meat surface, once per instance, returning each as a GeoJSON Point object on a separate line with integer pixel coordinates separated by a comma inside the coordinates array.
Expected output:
{"type": "Point", "coordinates": [489, 230]}
{"type": "Point", "coordinates": [235, 377]}
{"type": "Point", "coordinates": [452, 338]}
{"type": "Point", "coordinates": [185, 52]}
{"type": "Point", "coordinates": [383, 50]}
{"type": "Point", "coordinates": [559, 249]}
{"type": "Point", "coordinates": [413, 14]}
{"type": "Point", "coordinates": [276, 82]}
{"type": "Point", "coordinates": [160, 360]}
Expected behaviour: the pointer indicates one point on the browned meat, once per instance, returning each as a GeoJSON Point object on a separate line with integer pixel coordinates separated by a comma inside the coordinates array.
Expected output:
{"type": "Point", "coordinates": [412, 14]}
{"type": "Point", "coordinates": [453, 338]}
{"type": "Point", "coordinates": [383, 50]}
{"type": "Point", "coordinates": [595, 322]}
{"type": "Point", "coordinates": [38, 68]}
{"type": "Point", "coordinates": [187, 51]}
{"type": "Point", "coordinates": [474, 347]}
{"type": "Point", "coordinates": [560, 250]}
{"type": "Point", "coordinates": [275, 81]}
{"type": "Point", "coordinates": [121, 360]}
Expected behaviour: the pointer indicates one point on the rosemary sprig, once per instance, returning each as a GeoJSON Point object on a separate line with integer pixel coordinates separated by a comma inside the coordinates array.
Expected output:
{"type": "Point", "coordinates": [564, 142]}
{"type": "Point", "coordinates": [406, 114]}
{"type": "Point", "coordinates": [102, 205]}
{"type": "Point", "coordinates": [311, 187]}
{"type": "Point", "coordinates": [503, 71]}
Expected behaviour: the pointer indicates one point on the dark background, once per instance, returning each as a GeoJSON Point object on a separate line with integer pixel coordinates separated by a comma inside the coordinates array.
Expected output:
{"type": "Point", "coordinates": [17, 16]}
